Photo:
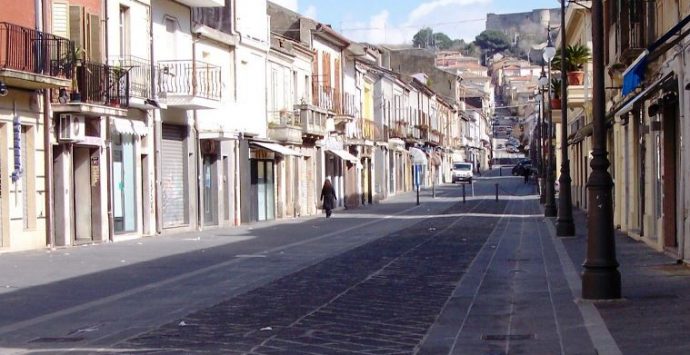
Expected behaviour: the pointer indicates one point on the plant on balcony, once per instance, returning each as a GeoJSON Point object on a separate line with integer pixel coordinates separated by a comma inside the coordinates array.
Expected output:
{"type": "Point", "coordinates": [555, 101]}
{"type": "Point", "coordinates": [576, 56]}
{"type": "Point", "coordinates": [73, 59]}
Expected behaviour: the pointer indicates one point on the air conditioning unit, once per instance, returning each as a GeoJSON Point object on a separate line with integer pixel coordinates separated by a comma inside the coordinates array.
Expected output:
{"type": "Point", "coordinates": [72, 128]}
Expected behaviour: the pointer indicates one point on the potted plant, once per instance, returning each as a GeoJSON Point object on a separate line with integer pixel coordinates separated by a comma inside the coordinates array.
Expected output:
{"type": "Point", "coordinates": [74, 58]}
{"type": "Point", "coordinates": [555, 101]}
{"type": "Point", "coordinates": [577, 56]}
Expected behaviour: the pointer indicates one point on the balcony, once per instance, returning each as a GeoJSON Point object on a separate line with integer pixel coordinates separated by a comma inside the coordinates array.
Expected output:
{"type": "Point", "coordinates": [284, 126]}
{"type": "Point", "coordinates": [434, 137]}
{"type": "Point", "coordinates": [98, 89]}
{"type": "Point", "coordinates": [399, 130]}
{"type": "Point", "coordinates": [189, 84]}
{"type": "Point", "coordinates": [369, 130]}
{"type": "Point", "coordinates": [140, 71]}
{"type": "Point", "coordinates": [312, 120]}
{"type": "Point", "coordinates": [350, 107]}
{"type": "Point", "coordinates": [34, 60]}
{"type": "Point", "coordinates": [577, 96]}
{"type": "Point", "coordinates": [328, 99]}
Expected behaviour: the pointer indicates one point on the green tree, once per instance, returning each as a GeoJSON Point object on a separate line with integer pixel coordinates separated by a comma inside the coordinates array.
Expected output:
{"type": "Point", "coordinates": [491, 41]}
{"type": "Point", "coordinates": [442, 41]}
{"type": "Point", "coordinates": [423, 38]}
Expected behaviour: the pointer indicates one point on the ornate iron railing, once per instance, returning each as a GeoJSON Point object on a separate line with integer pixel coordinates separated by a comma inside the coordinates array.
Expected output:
{"type": "Point", "coordinates": [187, 77]}
{"type": "Point", "coordinates": [25, 49]}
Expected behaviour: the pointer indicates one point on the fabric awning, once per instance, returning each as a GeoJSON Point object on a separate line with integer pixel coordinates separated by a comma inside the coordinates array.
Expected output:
{"type": "Point", "coordinates": [277, 148]}
{"type": "Point", "coordinates": [213, 129]}
{"type": "Point", "coordinates": [634, 75]}
{"type": "Point", "coordinates": [418, 157]}
{"type": "Point", "coordinates": [628, 106]}
{"type": "Point", "coordinates": [125, 126]}
{"type": "Point", "coordinates": [344, 155]}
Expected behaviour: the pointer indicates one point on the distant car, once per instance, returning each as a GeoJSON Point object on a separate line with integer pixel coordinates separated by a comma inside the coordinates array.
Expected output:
{"type": "Point", "coordinates": [519, 168]}
{"type": "Point", "coordinates": [462, 172]}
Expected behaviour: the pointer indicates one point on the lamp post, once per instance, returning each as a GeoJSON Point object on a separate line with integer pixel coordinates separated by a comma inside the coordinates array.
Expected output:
{"type": "Point", "coordinates": [564, 223]}
{"type": "Point", "coordinates": [550, 200]}
{"type": "Point", "coordinates": [600, 278]}
{"type": "Point", "coordinates": [543, 81]}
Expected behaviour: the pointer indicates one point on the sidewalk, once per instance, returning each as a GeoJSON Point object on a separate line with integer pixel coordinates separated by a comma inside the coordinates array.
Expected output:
{"type": "Point", "coordinates": [654, 315]}
{"type": "Point", "coordinates": [522, 294]}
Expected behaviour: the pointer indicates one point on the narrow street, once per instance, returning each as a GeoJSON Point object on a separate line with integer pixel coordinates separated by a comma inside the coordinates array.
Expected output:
{"type": "Point", "coordinates": [442, 277]}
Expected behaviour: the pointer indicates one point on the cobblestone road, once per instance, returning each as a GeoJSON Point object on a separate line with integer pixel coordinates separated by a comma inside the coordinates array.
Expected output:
{"type": "Point", "coordinates": [379, 298]}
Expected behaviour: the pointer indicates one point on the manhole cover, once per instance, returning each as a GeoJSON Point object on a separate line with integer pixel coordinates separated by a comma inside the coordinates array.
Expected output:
{"type": "Point", "coordinates": [504, 337]}
{"type": "Point", "coordinates": [57, 340]}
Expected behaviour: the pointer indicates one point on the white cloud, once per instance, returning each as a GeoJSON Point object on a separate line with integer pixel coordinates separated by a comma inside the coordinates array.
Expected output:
{"type": "Point", "coordinates": [457, 18]}
{"type": "Point", "coordinates": [310, 12]}
{"type": "Point", "coordinates": [290, 4]}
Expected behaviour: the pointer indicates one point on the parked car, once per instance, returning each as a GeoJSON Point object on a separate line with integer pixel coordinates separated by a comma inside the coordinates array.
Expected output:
{"type": "Point", "coordinates": [462, 172]}
{"type": "Point", "coordinates": [519, 168]}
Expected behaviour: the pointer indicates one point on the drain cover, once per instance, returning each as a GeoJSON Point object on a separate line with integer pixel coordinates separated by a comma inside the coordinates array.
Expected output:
{"type": "Point", "coordinates": [57, 340]}
{"type": "Point", "coordinates": [504, 337]}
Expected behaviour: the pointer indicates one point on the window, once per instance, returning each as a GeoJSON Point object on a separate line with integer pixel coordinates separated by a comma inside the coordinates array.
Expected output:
{"type": "Point", "coordinates": [124, 31]}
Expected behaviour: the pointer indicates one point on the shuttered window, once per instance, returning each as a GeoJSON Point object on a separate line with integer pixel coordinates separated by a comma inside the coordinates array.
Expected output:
{"type": "Point", "coordinates": [336, 89]}
{"type": "Point", "coordinates": [76, 26]}
{"type": "Point", "coordinates": [60, 19]}
{"type": "Point", "coordinates": [94, 44]}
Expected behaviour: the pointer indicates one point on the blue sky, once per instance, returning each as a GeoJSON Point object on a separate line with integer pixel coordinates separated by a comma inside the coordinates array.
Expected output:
{"type": "Point", "coordinates": [396, 21]}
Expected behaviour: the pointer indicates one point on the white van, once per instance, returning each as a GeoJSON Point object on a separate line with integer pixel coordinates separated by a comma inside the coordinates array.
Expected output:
{"type": "Point", "coordinates": [462, 172]}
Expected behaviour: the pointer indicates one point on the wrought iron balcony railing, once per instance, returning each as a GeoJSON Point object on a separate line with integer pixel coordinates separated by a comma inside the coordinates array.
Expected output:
{"type": "Point", "coordinates": [103, 84]}
{"type": "Point", "coordinates": [189, 78]}
{"type": "Point", "coordinates": [140, 71]}
{"type": "Point", "coordinates": [27, 50]}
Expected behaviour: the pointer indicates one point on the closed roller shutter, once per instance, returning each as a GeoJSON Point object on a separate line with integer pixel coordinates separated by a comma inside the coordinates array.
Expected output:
{"type": "Point", "coordinates": [174, 195]}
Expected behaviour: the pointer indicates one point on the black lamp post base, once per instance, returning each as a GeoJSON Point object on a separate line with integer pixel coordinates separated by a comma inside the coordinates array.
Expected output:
{"type": "Point", "coordinates": [550, 210]}
{"type": "Point", "coordinates": [601, 283]}
{"type": "Point", "coordinates": [565, 228]}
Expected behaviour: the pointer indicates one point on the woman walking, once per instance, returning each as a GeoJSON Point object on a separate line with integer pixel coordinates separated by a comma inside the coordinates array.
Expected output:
{"type": "Point", "coordinates": [328, 197]}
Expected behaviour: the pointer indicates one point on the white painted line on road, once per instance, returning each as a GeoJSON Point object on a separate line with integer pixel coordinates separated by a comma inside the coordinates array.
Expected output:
{"type": "Point", "coordinates": [173, 280]}
{"type": "Point", "coordinates": [250, 256]}
{"type": "Point", "coordinates": [601, 337]}
{"type": "Point", "coordinates": [452, 215]}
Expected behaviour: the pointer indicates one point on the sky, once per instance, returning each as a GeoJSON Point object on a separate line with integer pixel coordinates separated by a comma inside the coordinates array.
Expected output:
{"type": "Point", "coordinates": [396, 21]}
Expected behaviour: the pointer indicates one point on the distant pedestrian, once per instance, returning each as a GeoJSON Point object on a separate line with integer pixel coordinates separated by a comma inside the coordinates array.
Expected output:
{"type": "Point", "coordinates": [479, 171]}
{"type": "Point", "coordinates": [526, 172]}
{"type": "Point", "coordinates": [328, 197]}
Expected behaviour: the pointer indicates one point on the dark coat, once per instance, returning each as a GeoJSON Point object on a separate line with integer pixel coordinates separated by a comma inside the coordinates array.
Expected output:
{"type": "Point", "coordinates": [328, 197]}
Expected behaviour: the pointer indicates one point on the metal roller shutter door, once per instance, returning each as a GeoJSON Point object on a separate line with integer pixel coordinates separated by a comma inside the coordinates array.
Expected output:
{"type": "Point", "coordinates": [173, 177]}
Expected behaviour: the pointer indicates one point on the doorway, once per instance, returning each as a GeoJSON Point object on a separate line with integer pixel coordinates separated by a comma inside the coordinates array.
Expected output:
{"type": "Point", "coordinates": [669, 146]}
{"type": "Point", "coordinates": [86, 187]}
{"type": "Point", "coordinates": [210, 189]}
{"type": "Point", "coordinates": [263, 190]}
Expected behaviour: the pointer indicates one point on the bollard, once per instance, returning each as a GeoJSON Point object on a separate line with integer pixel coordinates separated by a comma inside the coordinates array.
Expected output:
{"type": "Point", "coordinates": [500, 171]}
{"type": "Point", "coordinates": [417, 195]}
{"type": "Point", "coordinates": [496, 192]}
{"type": "Point", "coordinates": [463, 193]}
{"type": "Point", "coordinates": [433, 190]}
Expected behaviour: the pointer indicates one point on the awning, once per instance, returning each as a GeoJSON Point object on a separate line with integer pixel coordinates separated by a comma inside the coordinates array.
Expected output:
{"type": "Point", "coordinates": [277, 148]}
{"type": "Point", "coordinates": [344, 155]}
{"type": "Point", "coordinates": [418, 157]}
{"type": "Point", "coordinates": [628, 106]}
{"type": "Point", "coordinates": [125, 126]}
{"type": "Point", "coordinates": [634, 75]}
{"type": "Point", "coordinates": [212, 129]}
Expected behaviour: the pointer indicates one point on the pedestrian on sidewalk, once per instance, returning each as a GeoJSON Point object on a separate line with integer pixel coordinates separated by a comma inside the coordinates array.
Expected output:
{"type": "Point", "coordinates": [526, 172]}
{"type": "Point", "coordinates": [328, 197]}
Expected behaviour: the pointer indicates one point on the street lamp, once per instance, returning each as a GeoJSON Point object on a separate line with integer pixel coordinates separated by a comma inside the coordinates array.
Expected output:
{"type": "Point", "coordinates": [543, 81]}
{"type": "Point", "coordinates": [550, 200]}
{"type": "Point", "coordinates": [564, 223]}
{"type": "Point", "coordinates": [600, 278]}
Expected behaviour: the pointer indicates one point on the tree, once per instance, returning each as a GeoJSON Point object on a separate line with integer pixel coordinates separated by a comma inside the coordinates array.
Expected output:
{"type": "Point", "coordinates": [423, 38]}
{"type": "Point", "coordinates": [442, 41]}
{"type": "Point", "coordinates": [491, 41]}
{"type": "Point", "coordinates": [426, 38]}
